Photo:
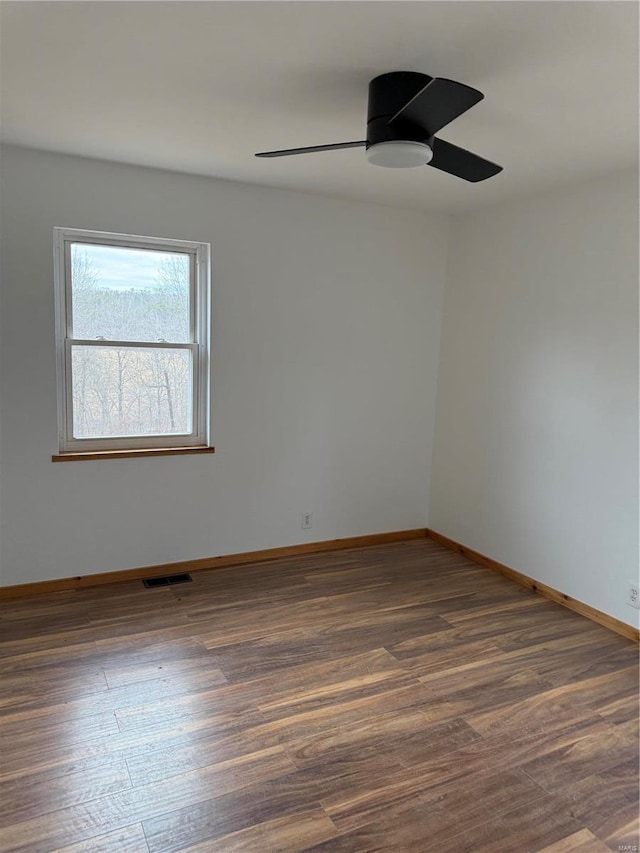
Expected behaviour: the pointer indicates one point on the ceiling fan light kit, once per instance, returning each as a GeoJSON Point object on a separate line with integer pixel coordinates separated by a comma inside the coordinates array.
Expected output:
{"type": "Point", "coordinates": [399, 155]}
{"type": "Point", "coordinates": [405, 110]}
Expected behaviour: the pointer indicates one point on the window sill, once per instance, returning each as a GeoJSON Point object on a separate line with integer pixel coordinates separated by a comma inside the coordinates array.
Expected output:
{"type": "Point", "coordinates": [73, 456]}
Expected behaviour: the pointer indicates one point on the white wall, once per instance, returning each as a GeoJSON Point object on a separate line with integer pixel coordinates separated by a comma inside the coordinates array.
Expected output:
{"type": "Point", "coordinates": [325, 347]}
{"type": "Point", "coordinates": [536, 447]}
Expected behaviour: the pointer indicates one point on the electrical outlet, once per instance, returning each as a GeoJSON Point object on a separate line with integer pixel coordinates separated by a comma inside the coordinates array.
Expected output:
{"type": "Point", "coordinates": [307, 520]}
{"type": "Point", "coordinates": [633, 595]}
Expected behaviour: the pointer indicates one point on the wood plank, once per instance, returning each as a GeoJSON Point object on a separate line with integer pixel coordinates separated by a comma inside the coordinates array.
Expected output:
{"type": "Point", "coordinates": [288, 834]}
{"type": "Point", "coordinates": [545, 711]}
{"type": "Point", "coordinates": [528, 827]}
{"type": "Point", "coordinates": [425, 827]}
{"type": "Point", "coordinates": [485, 687]}
{"type": "Point", "coordinates": [620, 709]}
{"type": "Point", "coordinates": [452, 806]}
{"type": "Point", "coordinates": [39, 750]}
{"type": "Point", "coordinates": [582, 841]}
{"type": "Point", "coordinates": [558, 769]}
{"type": "Point", "coordinates": [405, 737]}
{"type": "Point", "coordinates": [621, 830]}
{"type": "Point", "coordinates": [128, 840]}
{"type": "Point", "coordinates": [515, 748]}
{"type": "Point", "coordinates": [598, 799]}
{"type": "Point", "coordinates": [255, 657]}
{"type": "Point", "coordinates": [127, 675]}
{"type": "Point", "coordinates": [48, 791]}
{"type": "Point", "coordinates": [203, 823]}
{"type": "Point", "coordinates": [579, 666]}
{"type": "Point", "coordinates": [116, 811]}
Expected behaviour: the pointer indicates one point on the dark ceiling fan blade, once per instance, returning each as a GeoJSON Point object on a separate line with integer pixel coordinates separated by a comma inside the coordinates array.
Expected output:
{"type": "Point", "coordinates": [313, 148]}
{"type": "Point", "coordinates": [437, 104]}
{"type": "Point", "coordinates": [457, 161]}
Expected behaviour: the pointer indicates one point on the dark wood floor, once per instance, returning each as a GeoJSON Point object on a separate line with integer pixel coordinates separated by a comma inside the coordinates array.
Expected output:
{"type": "Point", "coordinates": [395, 698]}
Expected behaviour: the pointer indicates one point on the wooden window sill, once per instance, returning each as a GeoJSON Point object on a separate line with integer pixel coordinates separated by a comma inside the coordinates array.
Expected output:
{"type": "Point", "coordinates": [74, 456]}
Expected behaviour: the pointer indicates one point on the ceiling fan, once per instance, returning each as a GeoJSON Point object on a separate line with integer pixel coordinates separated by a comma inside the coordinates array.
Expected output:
{"type": "Point", "coordinates": [405, 111]}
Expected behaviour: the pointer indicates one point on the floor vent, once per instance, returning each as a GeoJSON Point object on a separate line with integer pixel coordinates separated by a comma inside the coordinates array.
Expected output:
{"type": "Point", "coordinates": [169, 580]}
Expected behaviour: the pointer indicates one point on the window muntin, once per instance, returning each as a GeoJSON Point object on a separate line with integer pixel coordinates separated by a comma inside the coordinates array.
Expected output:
{"type": "Point", "coordinates": [132, 341]}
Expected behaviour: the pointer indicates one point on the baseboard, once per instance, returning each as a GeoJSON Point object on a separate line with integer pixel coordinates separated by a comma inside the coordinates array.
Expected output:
{"type": "Point", "coordinates": [82, 582]}
{"type": "Point", "coordinates": [547, 591]}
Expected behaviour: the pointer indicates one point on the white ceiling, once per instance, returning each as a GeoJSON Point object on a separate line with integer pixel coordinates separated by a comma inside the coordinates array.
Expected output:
{"type": "Point", "coordinates": [200, 86]}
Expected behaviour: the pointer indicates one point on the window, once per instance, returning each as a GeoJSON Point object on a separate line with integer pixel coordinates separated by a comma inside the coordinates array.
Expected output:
{"type": "Point", "coordinates": [132, 342]}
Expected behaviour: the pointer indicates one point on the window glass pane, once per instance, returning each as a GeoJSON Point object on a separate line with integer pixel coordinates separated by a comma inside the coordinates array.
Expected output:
{"type": "Point", "coordinates": [128, 391]}
{"type": "Point", "coordinates": [129, 294]}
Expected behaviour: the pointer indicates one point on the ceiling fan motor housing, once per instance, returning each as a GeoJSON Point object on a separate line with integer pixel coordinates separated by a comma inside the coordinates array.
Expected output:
{"type": "Point", "coordinates": [388, 93]}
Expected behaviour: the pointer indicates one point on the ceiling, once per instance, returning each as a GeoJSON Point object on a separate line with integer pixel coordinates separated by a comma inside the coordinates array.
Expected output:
{"type": "Point", "coordinates": [200, 86]}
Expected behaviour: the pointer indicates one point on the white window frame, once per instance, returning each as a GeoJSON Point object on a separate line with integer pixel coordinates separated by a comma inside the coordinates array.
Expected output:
{"type": "Point", "coordinates": [199, 279]}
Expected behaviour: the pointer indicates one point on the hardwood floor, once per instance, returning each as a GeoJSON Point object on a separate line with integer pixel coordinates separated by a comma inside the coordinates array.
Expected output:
{"type": "Point", "coordinates": [394, 698]}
